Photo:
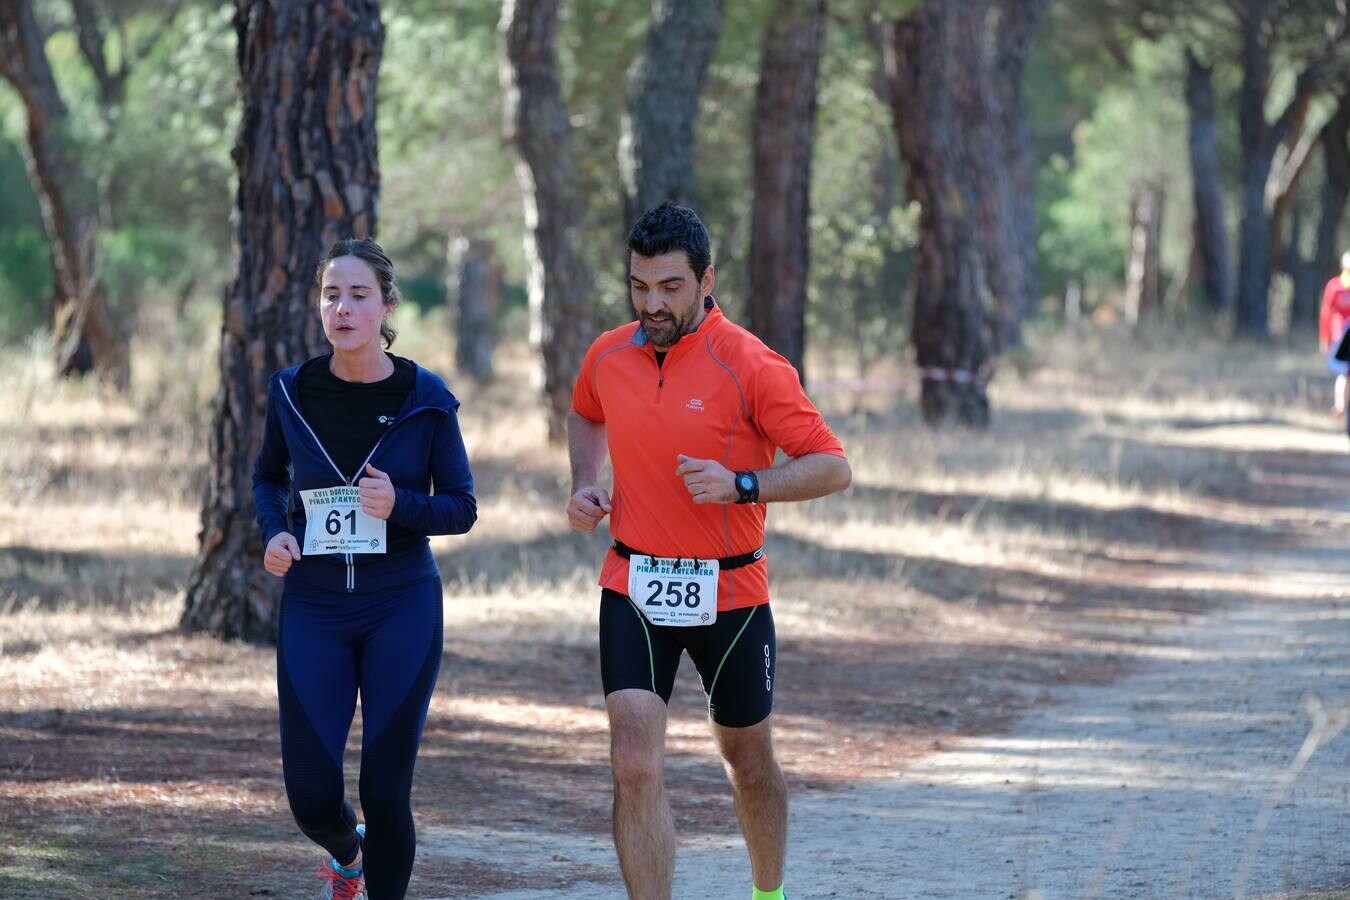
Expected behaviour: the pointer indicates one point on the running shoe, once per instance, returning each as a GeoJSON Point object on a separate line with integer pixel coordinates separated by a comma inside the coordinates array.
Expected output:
{"type": "Point", "coordinates": [341, 883]}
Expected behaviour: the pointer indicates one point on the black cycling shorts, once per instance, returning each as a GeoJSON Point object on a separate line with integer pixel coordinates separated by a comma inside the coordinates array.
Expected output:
{"type": "Point", "coordinates": [735, 657]}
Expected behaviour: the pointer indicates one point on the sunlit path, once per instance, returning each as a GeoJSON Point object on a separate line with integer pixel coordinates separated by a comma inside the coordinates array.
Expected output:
{"type": "Point", "coordinates": [1151, 787]}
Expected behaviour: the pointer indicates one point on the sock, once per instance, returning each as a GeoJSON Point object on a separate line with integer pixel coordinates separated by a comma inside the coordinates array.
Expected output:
{"type": "Point", "coordinates": [775, 894]}
{"type": "Point", "coordinates": [343, 868]}
{"type": "Point", "coordinates": [352, 873]}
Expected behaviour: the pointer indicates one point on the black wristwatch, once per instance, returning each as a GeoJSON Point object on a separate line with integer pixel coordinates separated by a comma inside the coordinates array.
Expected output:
{"type": "Point", "coordinates": [747, 487]}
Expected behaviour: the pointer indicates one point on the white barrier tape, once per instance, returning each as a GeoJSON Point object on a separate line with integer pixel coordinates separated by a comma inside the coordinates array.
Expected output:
{"type": "Point", "coordinates": [957, 376]}
{"type": "Point", "coordinates": [891, 385]}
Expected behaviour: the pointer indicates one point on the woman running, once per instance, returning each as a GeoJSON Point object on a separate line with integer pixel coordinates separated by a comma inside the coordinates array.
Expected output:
{"type": "Point", "coordinates": [379, 464]}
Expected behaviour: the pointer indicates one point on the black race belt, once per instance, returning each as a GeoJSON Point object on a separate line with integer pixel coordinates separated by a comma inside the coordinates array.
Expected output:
{"type": "Point", "coordinates": [729, 562]}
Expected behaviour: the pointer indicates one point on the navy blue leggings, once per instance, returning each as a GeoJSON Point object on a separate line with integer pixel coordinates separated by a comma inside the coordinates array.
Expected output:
{"type": "Point", "coordinates": [387, 645]}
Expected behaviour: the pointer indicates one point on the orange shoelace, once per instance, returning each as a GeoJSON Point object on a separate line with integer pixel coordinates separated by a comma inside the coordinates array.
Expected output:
{"type": "Point", "coordinates": [344, 888]}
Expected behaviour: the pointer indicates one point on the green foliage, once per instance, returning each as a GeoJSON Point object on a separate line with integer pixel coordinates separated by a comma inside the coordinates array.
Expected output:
{"type": "Point", "coordinates": [135, 261]}
{"type": "Point", "coordinates": [25, 282]}
{"type": "Point", "coordinates": [725, 151]}
{"type": "Point", "coordinates": [18, 204]}
{"type": "Point", "coordinates": [179, 122]}
{"type": "Point", "coordinates": [599, 41]}
{"type": "Point", "coordinates": [1065, 74]}
{"type": "Point", "coordinates": [25, 262]}
{"type": "Point", "coordinates": [860, 230]}
{"type": "Point", "coordinates": [160, 162]}
{"type": "Point", "coordinates": [423, 289]}
{"type": "Point", "coordinates": [1104, 92]}
{"type": "Point", "coordinates": [446, 168]}
{"type": "Point", "coordinates": [170, 180]}
{"type": "Point", "coordinates": [1135, 136]}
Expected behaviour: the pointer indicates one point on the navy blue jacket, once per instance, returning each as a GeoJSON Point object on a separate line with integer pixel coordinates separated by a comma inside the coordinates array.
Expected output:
{"type": "Point", "coordinates": [421, 451]}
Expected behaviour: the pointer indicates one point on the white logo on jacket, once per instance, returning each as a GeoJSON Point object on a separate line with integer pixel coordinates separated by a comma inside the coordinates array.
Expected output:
{"type": "Point", "coordinates": [695, 404]}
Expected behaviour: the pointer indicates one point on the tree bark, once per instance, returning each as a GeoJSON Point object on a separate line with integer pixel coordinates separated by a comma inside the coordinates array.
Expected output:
{"type": "Point", "coordinates": [475, 293]}
{"type": "Point", "coordinates": [1210, 231]}
{"type": "Point", "coordinates": [1253, 287]}
{"type": "Point", "coordinates": [784, 131]}
{"type": "Point", "coordinates": [79, 361]}
{"type": "Point", "coordinates": [1335, 142]}
{"type": "Point", "coordinates": [1305, 289]}
{"type": "Point", "coordinates": [656, 143]}
{"type": "Point", "coordinates": [1012, 32]}
{"type": "Point", "coordinates": [1291, 161]}
{"type": "Point", "coordinates": [1143, 269]}
{"type": "Point", "coordinates": [995, 39]}
{"type": "Point", "coordinates": [308, 175]}
{"type": "Point", "coordinates": [1260, 139]}
{"type": "Point", "coordinates": [536, 123]}
{"type": "Point", "coordinates": [952, 329]}
{"type": "Point", "coordinates": [888, 193]}
{"type": "Point", "coordinates": [82, 328]}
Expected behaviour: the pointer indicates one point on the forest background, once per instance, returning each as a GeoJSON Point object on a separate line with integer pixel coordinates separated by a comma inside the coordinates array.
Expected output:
{"type": "Point", "coordinates": [1117, 135]}
{"type": "Point", "coordinates": [1092, 236]}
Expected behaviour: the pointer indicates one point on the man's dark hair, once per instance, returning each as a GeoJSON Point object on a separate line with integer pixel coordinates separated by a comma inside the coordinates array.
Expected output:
{"type": "Point", "coordinates": [671, 227]}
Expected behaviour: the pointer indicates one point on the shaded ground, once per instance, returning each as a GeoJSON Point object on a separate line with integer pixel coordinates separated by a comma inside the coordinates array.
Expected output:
{"type": "Point", "coordinates": [920, 613]}
{"type": "Point", "coordinates": [1165, 720]}
{"type": "Point", "coordinates": [1164, 784]}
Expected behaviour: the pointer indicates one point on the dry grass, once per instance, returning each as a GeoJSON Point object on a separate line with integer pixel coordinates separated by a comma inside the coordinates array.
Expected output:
{"type": "Point", "coordinates": [964, 573]}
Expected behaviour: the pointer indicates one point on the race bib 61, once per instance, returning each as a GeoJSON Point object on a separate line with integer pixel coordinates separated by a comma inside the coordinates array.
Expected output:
{"type": "Point", "coordinates": [334, 523]}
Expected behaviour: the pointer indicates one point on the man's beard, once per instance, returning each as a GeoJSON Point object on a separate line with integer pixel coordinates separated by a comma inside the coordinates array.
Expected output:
{"type": "Point", "coordinates": [666, 332]}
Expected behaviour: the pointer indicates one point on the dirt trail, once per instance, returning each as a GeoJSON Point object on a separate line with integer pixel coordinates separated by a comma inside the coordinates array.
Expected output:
{"type": "Point", "coordinates": [1152, 786]}
{"type": "Point", "coordinates": [1080, 674]}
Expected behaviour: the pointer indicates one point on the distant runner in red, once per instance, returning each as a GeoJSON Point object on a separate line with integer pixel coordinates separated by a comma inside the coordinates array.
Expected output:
{"type": "Point", "coordinates": [691, 410]}
{"type": "Point", "coordinates": [1331, 327]}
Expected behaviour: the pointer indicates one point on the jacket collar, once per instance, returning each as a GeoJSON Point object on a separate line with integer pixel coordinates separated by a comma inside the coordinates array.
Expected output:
{"type": "Point", "coordinates": [429, 390]}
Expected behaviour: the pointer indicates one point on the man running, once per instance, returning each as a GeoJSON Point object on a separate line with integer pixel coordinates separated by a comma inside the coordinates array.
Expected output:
{"type": "Point", "coordinates": [691, 410]}
{"type": "Point", "coordinates": [1331, 327]}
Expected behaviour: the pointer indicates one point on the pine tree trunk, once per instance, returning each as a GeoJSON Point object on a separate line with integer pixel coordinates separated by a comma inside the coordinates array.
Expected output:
{"type": "Point", "coordinates": [1335, 193]}
{"type": "Point", "coordinates": [992, 50]}
{"type": "Point", "coordinates": [308, 175]}
{"type": "Point", "coordinates": [83, 332]}
{"type": "Point", "coordinates": [1143, 269]}
{"type": "Point", "coordinates": [1211, 236]}
{"type": "Point", "coordinates": [1306, 279]}
{"type": "Point", "coordinates": [656, 144]}
{"type": "Point", "coordinates": [1291, 161]}
{"type": "Point", "coordinates": [80, 361]}
{"type": "Point", "coordinates": [1011, 33]}
{"type": "Point", "coordinates": [952, 330]}
{"type": "Point", "coordinates": [785, 114]}
{"type": "Point", "coordinates": [888, 190]}
{"type": "Point", "coordinates": [1264, 200]}
{"type": "Point", "coordinates": [475, 293]}
{"type": "Point", "coordinates": [536, 123]}
{"type": "Point", "coordinates": [1253, 288]}
{"type": "Point", "coordinates": [1252, 308]}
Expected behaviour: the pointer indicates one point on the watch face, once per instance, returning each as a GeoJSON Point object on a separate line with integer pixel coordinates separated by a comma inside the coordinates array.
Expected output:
{"type": "Point", "coordinates": [745, 483]}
